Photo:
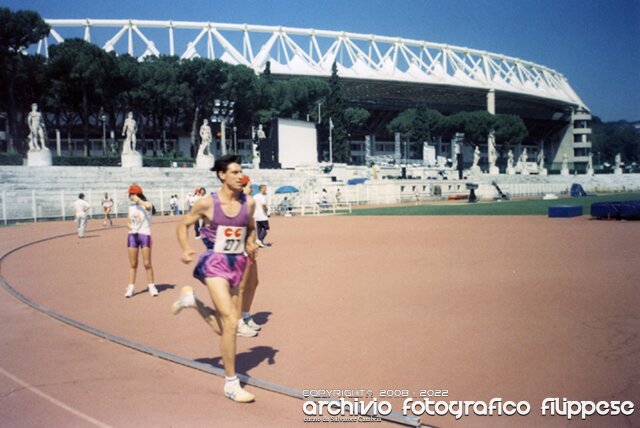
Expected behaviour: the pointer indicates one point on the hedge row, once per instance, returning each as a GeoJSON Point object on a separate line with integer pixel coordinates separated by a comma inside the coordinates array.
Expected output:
{"type": "Point", "coordinates": [115, 161]}
{"type": "Point", "coordinates": [10, 159]}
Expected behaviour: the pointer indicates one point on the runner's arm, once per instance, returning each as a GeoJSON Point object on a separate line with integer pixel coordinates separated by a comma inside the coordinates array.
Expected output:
{"type": "Point", "coordinates": [199, 210]}
{"type": "Point", "coordinates": [251, 229]}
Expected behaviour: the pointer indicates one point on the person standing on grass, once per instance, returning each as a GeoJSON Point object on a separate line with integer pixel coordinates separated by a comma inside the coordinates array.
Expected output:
{"type": "Point", "coordinates": [139, 238]}
{"type": "Point", "coordinates": [227, 218]}
{"type": "Point", "coordinates": [80, 208]}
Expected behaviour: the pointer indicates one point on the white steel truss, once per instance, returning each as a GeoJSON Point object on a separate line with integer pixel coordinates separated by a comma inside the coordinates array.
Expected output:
{"type": "Point", "coordinates": [310, 52]}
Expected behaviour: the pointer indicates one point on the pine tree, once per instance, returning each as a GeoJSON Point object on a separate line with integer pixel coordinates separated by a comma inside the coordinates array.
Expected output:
{"type": "Point", "coordinates": [334, 111]}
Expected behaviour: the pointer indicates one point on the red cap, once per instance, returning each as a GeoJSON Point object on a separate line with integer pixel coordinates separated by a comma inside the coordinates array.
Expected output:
{"type": "Point", "coordinates": [245, 180]}
{"type": "Point", "coordinates": [134, 189]}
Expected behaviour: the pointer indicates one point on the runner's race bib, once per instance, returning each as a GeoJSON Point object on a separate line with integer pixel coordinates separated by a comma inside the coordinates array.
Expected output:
{"type": "Point", "coordinates": [230, 239]}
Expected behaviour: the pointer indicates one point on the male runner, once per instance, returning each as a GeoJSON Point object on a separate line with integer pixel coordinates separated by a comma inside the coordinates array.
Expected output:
{"type": "Point", "coordinates": [227, 217]}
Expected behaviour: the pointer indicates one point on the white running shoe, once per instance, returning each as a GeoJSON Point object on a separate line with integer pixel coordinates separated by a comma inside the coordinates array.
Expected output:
{"type": "Point", "coordinates": [244, 330]}
{"type": "Point", "coordinates": [129, 292]}
{"type": "Point", "coordinates": [236, 393]}
{"type": "Point", "coordinates": [252, 324]}
{"type": "Point", "coordinates": [153, 290]}
{"type": "Point", "coordinates": [187, 299]}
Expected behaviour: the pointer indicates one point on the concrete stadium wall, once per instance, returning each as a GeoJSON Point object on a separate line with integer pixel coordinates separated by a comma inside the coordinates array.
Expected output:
{"type": "Point", "coordinates": [33, 194]}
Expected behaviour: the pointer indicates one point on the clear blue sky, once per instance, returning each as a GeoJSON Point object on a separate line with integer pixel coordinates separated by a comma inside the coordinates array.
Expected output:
{"type": "Point", "coordinates": [594, 43]}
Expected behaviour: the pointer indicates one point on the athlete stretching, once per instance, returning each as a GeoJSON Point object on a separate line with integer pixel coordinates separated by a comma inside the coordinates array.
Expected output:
{"type": "Point", "coordinates": [227, 217]}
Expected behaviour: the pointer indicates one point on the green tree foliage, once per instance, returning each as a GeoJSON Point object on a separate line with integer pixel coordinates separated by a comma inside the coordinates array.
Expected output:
{"type": "Point", "coordinates": [334, 108]}
{"type": "Point", "coordinates": [610, 138]}
{"type": "Point", "coordinates": [79, 71]}
{"type": "Point", "coordinates": [510, 131]}
{"type": "Point", "coordinates": [18, 30]}
{"type": "Point", "coordinates": [418, 124]}
{"type": "Point", "coordinates": [475, 125]}
{"type": "Point", "coordinates": [356, 117]}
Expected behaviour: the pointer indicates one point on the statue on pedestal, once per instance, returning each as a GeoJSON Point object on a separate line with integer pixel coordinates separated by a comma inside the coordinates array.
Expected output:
{"type": "Point", "coordinates": [129, 130]}
{"type": "Point", "coordinates": [206, 136]}
{"type": "Point", "coordinates": [541, 168]}
{"type": "Point", "coordinates": [36, 130]}
{"type": "Point", "coordinates": [493, 155]}
{"type": "Point", "coordinates": [260, 137]}
{"type": "Point", "coordinates": [205, 161]}
{"type": "Point", "coordinates": [590, 171]}
{"type": "Point", "coordinates": [521, 166]}
{"type": "Point", "coordinates": [476, 157]}
{"type": "Point", "coordinates": [618, 164]}
{"type": "Point", "coordinates": [510, 169]}
{"type": "Point", "coordinates": [456, 152]}
{"type": "Point", "coordinates": [565, 165]}
{"type": "Point", "coordinates": [475, 168]}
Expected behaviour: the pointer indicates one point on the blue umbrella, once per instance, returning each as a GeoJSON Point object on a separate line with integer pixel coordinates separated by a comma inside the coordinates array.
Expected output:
{"type": "Point", "coordinates": [286, 189]}
{"type": "Point", "coordinates": [353, 181]}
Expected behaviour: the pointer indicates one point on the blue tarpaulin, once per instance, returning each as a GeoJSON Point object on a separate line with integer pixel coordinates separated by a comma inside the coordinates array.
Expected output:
{"type": "Point", "coordinates": [577, 190]}
{"type": "Point", "coordinates": [353, 181]}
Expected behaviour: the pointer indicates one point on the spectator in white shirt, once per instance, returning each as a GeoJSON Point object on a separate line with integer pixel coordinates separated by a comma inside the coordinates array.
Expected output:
{"type": "Point", "coordinates": [81, 207]}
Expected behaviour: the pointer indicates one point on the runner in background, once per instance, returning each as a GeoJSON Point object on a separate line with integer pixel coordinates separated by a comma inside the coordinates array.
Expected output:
{"type": "Point", "coordinates": [107, 205]}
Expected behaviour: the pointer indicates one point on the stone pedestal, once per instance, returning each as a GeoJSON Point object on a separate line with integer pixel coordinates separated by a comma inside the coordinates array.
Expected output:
{"type": "Point", "coordinates": [511, 170]}
{"type": "Point", "coordinates": [564, 172]}
{"type": "Point", "coordinates": [590, 172]}
{"type": "Point", "coordinates": [204, 162]}
{"type": "Point", "coordinates": [39, 158]}
{"type": "Point", "coordinates": [617, 171]}
{"type": "Point", "coordinates": [543, 172]}
{"type": "Point", "coordinates": [131, 160]}
{"type": "Point", "coordinates": [494, 170]}
{"type": "Point", "coordinates": [475, 170]}
{"type": "Point", "coordinates": [525, 171]}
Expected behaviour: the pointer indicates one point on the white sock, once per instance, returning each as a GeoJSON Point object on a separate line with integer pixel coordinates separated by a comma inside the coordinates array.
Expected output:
{"type": "Point", "coordinates": [231, 381]}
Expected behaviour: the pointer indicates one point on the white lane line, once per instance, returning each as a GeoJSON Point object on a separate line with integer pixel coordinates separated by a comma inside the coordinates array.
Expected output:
{"type": "Point", "coordinates": [53, 400]}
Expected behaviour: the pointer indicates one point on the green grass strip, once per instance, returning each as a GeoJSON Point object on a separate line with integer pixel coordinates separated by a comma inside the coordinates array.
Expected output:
{"type": "Point", "coordinates": [521, 207]}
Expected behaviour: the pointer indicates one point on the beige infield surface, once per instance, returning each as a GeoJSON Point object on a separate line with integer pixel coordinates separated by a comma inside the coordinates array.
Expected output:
{"type": "Point", "coordinates": [518, 308]}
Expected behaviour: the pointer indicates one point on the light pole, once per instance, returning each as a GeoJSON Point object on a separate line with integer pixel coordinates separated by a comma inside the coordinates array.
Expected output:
{"type": "Point", "coordinates": [103, 118]}
{"type": "Point", "coordinates": [223, 113]}
{"type": "Point", "coordinates": [235, 140]}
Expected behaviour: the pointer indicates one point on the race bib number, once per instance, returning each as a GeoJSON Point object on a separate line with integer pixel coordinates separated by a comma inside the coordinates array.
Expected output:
{"type": "Point", "coordinates": [230, 239]}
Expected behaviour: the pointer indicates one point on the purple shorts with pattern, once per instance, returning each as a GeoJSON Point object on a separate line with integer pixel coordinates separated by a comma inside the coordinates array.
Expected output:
{"type": "Point", "coordinates": [138, 240]}
{"type": "Point", "coordinates": [217, 265]}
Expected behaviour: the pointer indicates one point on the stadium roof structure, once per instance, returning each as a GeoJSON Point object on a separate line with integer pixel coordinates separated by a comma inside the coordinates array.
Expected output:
{"type": "Point", "coordinates": [390, 71]}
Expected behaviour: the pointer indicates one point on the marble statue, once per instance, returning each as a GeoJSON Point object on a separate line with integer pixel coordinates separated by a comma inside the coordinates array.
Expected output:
{"type": "Point", "coordinates": [590, 170]}
{"type": "Point", "coordinates": [541, 159]}
{"type": "Point", "coordinates": [618, 164]}
{"type": "Point", "coordinates": [491, 153]}
{"type": "Point", "coordinates": [510, 169]}
{"type": "Point", "coordinates": [36, 129]}
{"type": "Point", "coordinates": [541, 169]}
{"type": "Point", "coordinates": [257, 141]}
{"type": "Point", "coordinates": [476, 157]}
{"type": "Point", "coordinates": [205, 136]}
{"type": "Point", "coordinates": [565, 165]}
{"type": "Point", "coordinates": [129, 132]}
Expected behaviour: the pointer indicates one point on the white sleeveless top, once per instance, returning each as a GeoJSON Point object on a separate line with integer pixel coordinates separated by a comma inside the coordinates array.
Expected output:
{"type": "Point", "coordinates": [140, 220]}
